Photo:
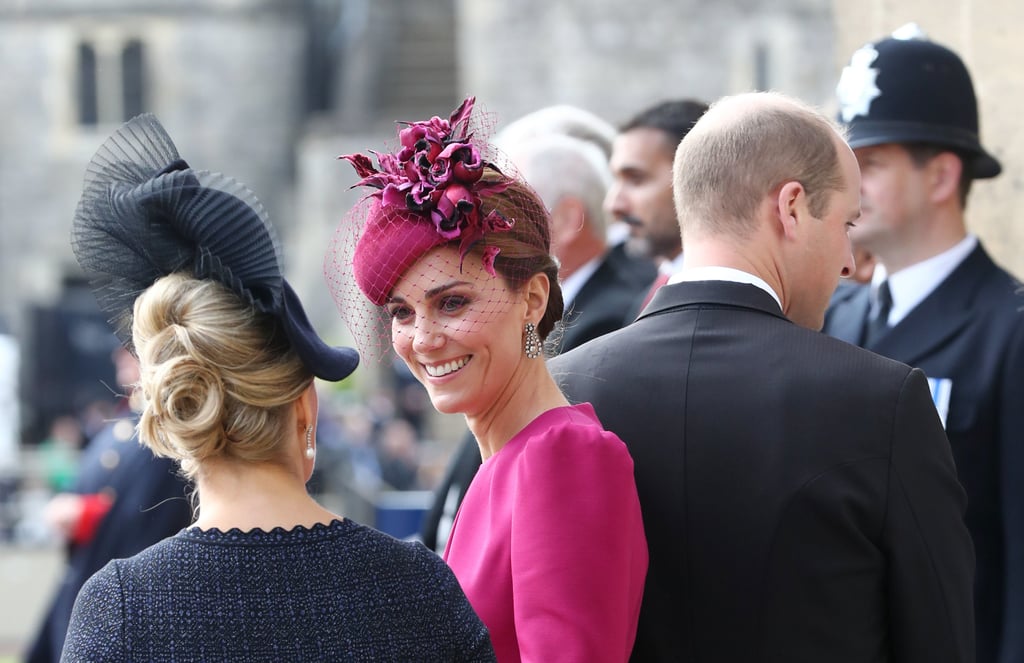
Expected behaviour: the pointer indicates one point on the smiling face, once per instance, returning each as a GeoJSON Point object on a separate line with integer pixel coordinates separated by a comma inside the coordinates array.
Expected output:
{"type": "Point", "coordinates": [459, 332]}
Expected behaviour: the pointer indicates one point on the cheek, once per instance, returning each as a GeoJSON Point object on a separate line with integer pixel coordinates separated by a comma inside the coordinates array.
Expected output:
{"type": "Point", "coordinates": [401, 340]}
{"type": "Point", "coordinates": [877, 189]}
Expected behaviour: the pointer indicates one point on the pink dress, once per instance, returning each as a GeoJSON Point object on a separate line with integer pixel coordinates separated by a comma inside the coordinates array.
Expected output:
{"type": "Point", "coordinates": [549, 545]}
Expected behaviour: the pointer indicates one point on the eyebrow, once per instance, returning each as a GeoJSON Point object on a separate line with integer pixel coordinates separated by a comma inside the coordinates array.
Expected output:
{"type": "Point", "coordinates": [433, 292]}
{"type": "Point", "coordinates": [630, 169]}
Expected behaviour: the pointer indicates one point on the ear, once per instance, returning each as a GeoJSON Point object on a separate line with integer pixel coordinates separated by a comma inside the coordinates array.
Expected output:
{"type": "Point", "coordinates": [790, 207]}
{"type": "Point", "coordinates": [536, 292]}
{"type": "Point", "coordinates": [569, 214]}
{"type": "Point", "coordinates": [306, 408]}
{"type": "Point", "coordinates": [944, 172]}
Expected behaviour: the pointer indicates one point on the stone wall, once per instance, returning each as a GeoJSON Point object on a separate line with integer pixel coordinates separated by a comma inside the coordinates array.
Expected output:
{"type": "Point", "coordinates": [615, 58]}
{"type": "Point", "coordinates": [225, 80]}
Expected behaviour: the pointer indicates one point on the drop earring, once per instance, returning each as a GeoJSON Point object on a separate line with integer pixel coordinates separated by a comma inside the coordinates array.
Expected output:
{"type": "Point", "coordinates": [532, 345]}
{"type": "Point", "coordinates": [310, 451]}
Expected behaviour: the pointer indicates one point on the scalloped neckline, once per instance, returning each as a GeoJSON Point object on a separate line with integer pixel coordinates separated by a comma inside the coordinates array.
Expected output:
{"type": "Point", "coordinates": [277, 530]}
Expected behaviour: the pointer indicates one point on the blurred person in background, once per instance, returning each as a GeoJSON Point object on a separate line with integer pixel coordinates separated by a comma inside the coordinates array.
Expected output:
{"type": "Point", "coordinates": [937, 300]}
{"type": "Point", "coordinates": [641, 192]}
{"type": "Point", "coordinates": [58, 453]}
{"type": "Point", "coordinates": [123, 500]}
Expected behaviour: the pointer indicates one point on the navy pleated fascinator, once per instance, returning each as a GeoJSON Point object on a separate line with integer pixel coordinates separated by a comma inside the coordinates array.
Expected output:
{"type": "Point", "coordinates": [144, 214]}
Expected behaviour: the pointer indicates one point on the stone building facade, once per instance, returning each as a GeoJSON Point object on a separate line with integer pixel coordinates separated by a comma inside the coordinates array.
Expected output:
{"type": "Point", "coordinates": [271, 91]}
{"type": "Point", "coordinates": [224, 77]}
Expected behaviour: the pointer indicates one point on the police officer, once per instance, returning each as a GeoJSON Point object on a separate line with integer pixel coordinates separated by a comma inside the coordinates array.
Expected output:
{"type": "Point", "coordinates": [937, 301]}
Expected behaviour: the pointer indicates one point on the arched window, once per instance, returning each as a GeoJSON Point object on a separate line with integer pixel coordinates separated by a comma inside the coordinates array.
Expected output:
{"type": "Point", "coordinates": [88, 105]}
{"type": "Point", "coordinates": [132, 80]}
{"type": "Point", "coordinates": [111, 80]}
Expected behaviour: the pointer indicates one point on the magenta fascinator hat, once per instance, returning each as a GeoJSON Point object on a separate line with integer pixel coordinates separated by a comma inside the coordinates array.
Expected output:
{"type": "Point", "coordinates": [442, 185]}
{"type": "Point", "coordinates": [428, 193]}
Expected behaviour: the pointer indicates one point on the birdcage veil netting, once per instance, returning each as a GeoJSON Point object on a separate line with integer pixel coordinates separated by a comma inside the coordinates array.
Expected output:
{"type": "Point", "coordinates": [445, 207]}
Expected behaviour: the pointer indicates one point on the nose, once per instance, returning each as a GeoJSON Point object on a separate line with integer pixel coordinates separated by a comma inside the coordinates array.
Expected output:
{"type": "Point", "coordinates": [849, 264]}
{"type": "Point", "coordinates": [615, 201]}
{"type": "Point", "coordinates": [427, 336]}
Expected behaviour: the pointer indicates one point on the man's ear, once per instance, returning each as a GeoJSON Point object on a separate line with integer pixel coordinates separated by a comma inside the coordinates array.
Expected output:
{"type": "Point", "coordinates": [569, 214]}
{"type": "Point", "coordinates": [944, 171]}
{"type": "Point", "coordinates": [790, 207]}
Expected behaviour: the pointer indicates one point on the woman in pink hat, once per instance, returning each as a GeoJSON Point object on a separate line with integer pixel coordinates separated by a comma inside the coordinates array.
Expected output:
{"type": "Point", "coordinates": [452, 251]}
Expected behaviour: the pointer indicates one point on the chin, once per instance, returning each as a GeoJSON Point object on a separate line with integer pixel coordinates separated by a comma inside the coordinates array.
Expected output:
{"type": "Point", "coordinates": [445, 405]}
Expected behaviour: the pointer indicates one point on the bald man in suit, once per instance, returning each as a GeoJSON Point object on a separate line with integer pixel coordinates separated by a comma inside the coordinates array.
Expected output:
{"type": "Point", "coordinates": [799, 494]}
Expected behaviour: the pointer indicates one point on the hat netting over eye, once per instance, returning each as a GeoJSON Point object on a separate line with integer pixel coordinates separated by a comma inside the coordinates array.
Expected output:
{"type": "Point", "coordinates": [444, 188]}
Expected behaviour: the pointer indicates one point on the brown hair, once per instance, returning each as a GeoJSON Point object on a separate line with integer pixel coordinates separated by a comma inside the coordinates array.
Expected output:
{"type": "Point", "coordinates": [526, 249]}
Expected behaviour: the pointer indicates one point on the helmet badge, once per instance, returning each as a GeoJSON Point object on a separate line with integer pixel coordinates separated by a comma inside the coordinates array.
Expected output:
{"type": "Point", "coordinates": [857, 88]}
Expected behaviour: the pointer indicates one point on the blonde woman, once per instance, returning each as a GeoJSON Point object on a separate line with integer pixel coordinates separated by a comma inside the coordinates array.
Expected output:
{"type": "Point", "coordinates": [187, 261]}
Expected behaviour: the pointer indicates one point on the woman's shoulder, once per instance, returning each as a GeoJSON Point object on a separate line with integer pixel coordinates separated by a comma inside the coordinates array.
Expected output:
{"type": "Point", "coordinates": [571, 422]}
{"type": "Point", "coordinates": [107, 583]}
{"type": "Point", "coordinates": [384, 551]}
{"type": "Point", "coordinates": [573, 429]}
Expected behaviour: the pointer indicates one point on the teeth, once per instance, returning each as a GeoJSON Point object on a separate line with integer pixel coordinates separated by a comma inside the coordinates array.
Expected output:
{"type": "Point", "coordinates": [446, 368]}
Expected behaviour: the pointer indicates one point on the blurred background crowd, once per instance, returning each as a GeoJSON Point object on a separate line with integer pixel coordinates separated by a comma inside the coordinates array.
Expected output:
{"type": "Point", "coordinates": [272, 91]}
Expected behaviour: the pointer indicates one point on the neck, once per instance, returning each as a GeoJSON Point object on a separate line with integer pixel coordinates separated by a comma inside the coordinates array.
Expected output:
{"type": "Point", "coordinates": [723, 254]}
{"type": "Point", "coordinates": [530, 393]}
{"type": "Point", "coordinates": [896, 259]}
{"type": "Point", "coordinates": [260, 495]}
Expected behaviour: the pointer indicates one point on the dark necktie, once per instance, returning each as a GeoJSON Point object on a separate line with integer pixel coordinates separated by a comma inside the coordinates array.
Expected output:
{"type": "Point", "coordinates": [877, 326]}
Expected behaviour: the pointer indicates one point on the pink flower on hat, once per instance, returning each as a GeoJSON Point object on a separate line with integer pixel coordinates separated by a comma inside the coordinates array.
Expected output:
{"type": "Point", "coordinates": [434, 176]}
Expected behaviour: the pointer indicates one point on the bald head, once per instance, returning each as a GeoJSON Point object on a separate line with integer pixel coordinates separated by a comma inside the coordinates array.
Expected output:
{"type": "Point", "coordinates": [743, 149]}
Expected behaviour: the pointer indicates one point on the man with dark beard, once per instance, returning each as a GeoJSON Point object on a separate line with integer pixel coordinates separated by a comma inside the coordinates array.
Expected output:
{"type": "Point", "coordinates": [641, 192]}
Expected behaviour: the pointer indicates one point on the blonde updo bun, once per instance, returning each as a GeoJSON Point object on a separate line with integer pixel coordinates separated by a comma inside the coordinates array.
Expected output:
{"type": "Point", "coordinates": [217, 377]}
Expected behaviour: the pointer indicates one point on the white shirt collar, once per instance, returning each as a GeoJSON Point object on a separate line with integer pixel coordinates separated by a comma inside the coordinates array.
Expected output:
{"type": "Point", "coordinates": [572, 284]}
{"type": "Point", "coordinates": [670, 267]}
{"type": "Point", "coordinates": [911, 285]}
{"type": "Point", "coordinates": [724, 274]}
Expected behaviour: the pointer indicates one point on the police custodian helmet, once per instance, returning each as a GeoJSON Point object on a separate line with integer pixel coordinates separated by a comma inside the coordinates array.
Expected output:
{"type": "Point", "coordinates": [906, 89]}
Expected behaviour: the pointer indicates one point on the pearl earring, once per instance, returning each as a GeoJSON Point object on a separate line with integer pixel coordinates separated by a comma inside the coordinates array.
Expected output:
{"type": "Point", "coordinates": [310, 451]}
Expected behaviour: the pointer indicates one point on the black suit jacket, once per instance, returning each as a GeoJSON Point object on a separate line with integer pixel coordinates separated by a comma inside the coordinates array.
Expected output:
{"type": "Point", "coordinates": [606, 300]}
{"type": "Point", "coordinates": [968, 337]}
{"type": "Point", "coordinates": [798, 493]}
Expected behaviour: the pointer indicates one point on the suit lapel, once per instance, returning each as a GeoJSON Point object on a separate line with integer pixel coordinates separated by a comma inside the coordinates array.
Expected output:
{"type": "Point", "coordinates": [940, 316]}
